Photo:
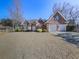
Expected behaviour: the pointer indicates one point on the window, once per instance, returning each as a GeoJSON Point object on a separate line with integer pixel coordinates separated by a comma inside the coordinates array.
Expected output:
{"type": "Point", "coordinates": [57, 17]}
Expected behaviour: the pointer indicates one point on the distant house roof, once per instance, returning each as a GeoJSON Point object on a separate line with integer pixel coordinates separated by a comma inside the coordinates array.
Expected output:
{"type": "Point", "coordinates": [24, 22]}
{"type": "Point", "coordinates": [52, 19]}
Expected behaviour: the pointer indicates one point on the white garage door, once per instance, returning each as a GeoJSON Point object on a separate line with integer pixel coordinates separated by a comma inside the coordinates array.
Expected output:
{"type": "Point", "coordinates": [62, 28]}
{"type": "Point", "coordinates": [52, 28]}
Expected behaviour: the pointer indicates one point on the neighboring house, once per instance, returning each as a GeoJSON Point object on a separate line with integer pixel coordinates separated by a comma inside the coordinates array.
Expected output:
{"type": "Point", "coordinates": [2, 28]}
{"type": "Point", "coordinates": [24, 25]}
{"type": "Point", "coordinates": [5, 28]}
{"type": "Point", "coordinates": [29, 26]}
{"type": "Point", "coordinates": [39, 24]}
{"type": "Point", "coordinates": [56, 22]}
{"type": "Point", "coordinates": [32, 25]}
{"type": "Point", "coordinates": [21, 25]}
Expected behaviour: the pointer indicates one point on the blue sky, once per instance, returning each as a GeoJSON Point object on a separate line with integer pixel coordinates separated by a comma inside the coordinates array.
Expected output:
{"type": "Point", "coordinates": [32, 9]}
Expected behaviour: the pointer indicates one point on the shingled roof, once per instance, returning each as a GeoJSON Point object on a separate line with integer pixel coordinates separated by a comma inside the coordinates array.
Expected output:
{"type": "Point", "coordinates": [52, 17]}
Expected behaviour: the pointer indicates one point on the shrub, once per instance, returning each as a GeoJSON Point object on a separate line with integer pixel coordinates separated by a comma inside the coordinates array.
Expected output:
{"type": "Point", "coordinates": [44, 30]}
{"type": "Point", "coordinates": [18, 30]}
{"type": "Point", "coordinates": [70, 28]}
{"type": "Point", "coordinates": [39, 30]}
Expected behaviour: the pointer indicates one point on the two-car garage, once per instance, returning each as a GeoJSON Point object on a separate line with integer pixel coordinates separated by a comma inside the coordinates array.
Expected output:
{"type": "Point", "coordinates": [59, 28]}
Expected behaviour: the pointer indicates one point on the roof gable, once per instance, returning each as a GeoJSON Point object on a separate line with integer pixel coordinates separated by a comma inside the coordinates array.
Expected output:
{"type": "Point", "coordinates": [57, 17]}
{"type": "Point", "coordinates": [59, 13]}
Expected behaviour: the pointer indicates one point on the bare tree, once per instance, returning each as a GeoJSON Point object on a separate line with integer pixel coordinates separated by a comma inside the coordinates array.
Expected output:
{"type": "Point", "coordinates": [69, 12]}
{"type": "Point", "coordinates": [15, 12]}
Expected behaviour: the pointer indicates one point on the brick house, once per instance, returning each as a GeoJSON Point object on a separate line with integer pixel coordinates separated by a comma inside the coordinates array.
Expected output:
{"type": "Point", "coordinates": [56, 22]}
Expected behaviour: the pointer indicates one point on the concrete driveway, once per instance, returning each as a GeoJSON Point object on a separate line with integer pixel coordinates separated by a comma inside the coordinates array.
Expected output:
{"type": "Point", "coordinates": [36, 46]}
